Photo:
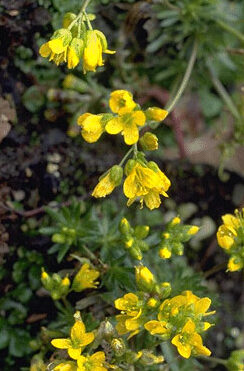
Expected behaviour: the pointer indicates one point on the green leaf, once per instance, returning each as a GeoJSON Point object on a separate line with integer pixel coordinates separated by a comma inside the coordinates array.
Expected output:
{"type": "Point", "coordinates": [33, 99]}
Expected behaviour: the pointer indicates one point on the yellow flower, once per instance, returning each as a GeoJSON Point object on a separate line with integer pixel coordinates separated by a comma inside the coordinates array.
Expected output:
{"type": "Point", "coordinates": [228, 231]}
{"type": "Point", "coordinates": [65, 281]}
{"type": "Point", "coordinates": [147, 184]}
{"type": "Point", "coordinates": [85, 278]}
{"type": "Point", "coordinates": [165, 253]}
{"type": "Point", "coordinates": [127, 324]}
{"type": "Point", "coordinates": [79, 338]}
{"type": "Point", "coordinates": [157, 327]}
{"type": "Point", "coordinates": [94, 47]}
{"type": "Point", "coordinates": [188, 341]}
{"type": "Point", "coordinates": [175, 220]}
{"type": "Point", "coordinates": [121, 102]}
{"type": "Point", "coordinates": [95, 362]}
{"type": "Point", "coordinates": [156, 114]}
{"type": "Point", "coordinates": [66, 366]}
{"type": "Point", "coordinates": [56, 48]}
{"type": "Point", "coordinates": [234, 264]}
{"type": "Point", "coordinates": [74, 52]}
{"type": "Point", "coordinates": [127, 124]}
{"type": "Point", "coordinates": [129, 303]}
{"type": "Point", "coordinates": [92, 127]}
{"type": "Point", "coordinates": [108, 182]}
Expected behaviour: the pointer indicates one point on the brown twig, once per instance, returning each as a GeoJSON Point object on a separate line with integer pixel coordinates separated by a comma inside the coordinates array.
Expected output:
{"type": "Point", "coordinates": [39, 210]}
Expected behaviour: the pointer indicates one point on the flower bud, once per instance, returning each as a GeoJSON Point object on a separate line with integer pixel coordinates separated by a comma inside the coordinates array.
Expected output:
{"type": "Point", "coordinates": [129, 166]}
{"type": "Point", "coordinates": [165, 253]}
{"type": "Point", "coordinates": [124, 226]}
{"type": "Point", "coordinates": [141, 231]}
{"type": "Point", "coordinates": [58, 238]}
{"type": "Point", "coordinates": [175, 221]}
{"type": "Point", "coordinates": [107, 330]}
{"type": "Point", "coordinates": [177, 248]}
{"type": "Point", "coordinates": [68, 18]}
{"type": "Point", "coordinates": [46, 280]}
{"type": "Point", "coordinates": [149, 359]}
{"type": "Point", "coordinates": [116, 175]}
{"type": "Point", "coordinates": [118, 347]}
{"type": "Point", "coordinates": [149, 142]}
{"type": "Point", "coordinates": [156, 114]}
{"type": "Point", "coordinates": [145, 280]}
{"type": "Point", "coordinates": [135, 252]}
{"type": "Point", "coordinates": [153, 303]}
{"type": "Point", "coordinates": [193, 230]}
{"type": "Point", "coordinates": [164, 289]}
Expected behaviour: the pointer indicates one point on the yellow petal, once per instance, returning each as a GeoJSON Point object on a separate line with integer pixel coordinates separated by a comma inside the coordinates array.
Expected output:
{"type": "Point", "coordinates": [74, 352]}
{"type": "Point", "coordinates": [114, 126]}
{"type": "Point", "coordinates": [183, 349]}
{"type": "Point", "coordinates": [139, 118]}
{"type": "Point", "coordinates": [77, 331]}
{"type": "Point", "coordinates": [121, 102]}
{"type": "Point", "coordinates": [152, 200]}
{"type": "Point", "coordinates": [72, 57]}
{"type": "Point", "coordinates": [61, 343]}
{"type": "Point", "coordinates": [87, 339]}
{"type": "Point", "coordinates": [202, 305]}
{"type": "Point", "coordinates": [56, 46]}
{"type": "Point", "coordinates": [44, 50]}
{"type": "Point", "coordinates": [131, 134]}
{"type": "Point", "coordinates": [82, 118]}
{"type": "Point", "coordinates": [98, 357]}
{"type": "Point", "coordinates": [104, 187]}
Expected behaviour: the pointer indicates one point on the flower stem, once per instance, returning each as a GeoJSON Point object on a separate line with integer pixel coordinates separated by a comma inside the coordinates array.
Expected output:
{"type": "Point", "coordinates": [215, 269]}
{"type": "Point", "coordinates": [185, 78]}
{"type": "Point", "coordinates": [126, 156]}
{"type": "Point", "coordinates": [214, 359]}
{"type": "Point", "coordinates": [80, 14]}
{"type": "Point", "coordinates": [231, 30]}
{"type": "Point", "coordinates": [223, 93]}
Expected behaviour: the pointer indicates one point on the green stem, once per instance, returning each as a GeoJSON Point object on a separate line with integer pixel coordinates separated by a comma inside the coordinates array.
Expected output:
{"type": "Point", "coordinates": [223, 93]}
{"type": "Point", "coordinates": [126, 156]}
{"type": "Point", "coordinates": [170, 356]}
{"type": "Point", "coordinates": [88, 21]}
{"type": "Point", "coordinates": [231, 30]}
{"type": "Point", "coordinates": [185, 78]}
{"type": "Point", "coordinates": [214, 359]}
{"type": "Point", "coordinates": [93, 256]}
{"type": "Point", "coordinates": [171, 6]}
{"type": "Point", "coordinates": [80, 14]}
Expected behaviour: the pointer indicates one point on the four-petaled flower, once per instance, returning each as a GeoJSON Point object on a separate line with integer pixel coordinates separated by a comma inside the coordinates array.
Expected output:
{"type": "Point", "coordinates": [95, 362]}
{"type": "Point", "coordinates": [85, 278]}
{"type": "Point", "coordinates": [79, 338]}
{"type": "Point", "coordinates": [189, 341]}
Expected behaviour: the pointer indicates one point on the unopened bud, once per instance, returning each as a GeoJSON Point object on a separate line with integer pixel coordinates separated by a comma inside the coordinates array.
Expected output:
{"type": "Point", "coordinates": [156, 114]}
{"type": "Point", "coordinates": [141, 231]}
{"type": "Point", "coordinates": [118, 347]}
{"type": "Point", "coordinates": [193, 230]}
{"type": "Point", "coordinates": [144, 278]}
{"type": "Point", "coordinates": [58, 238]}
{"type": "Point", "coordinates": [149, 359]}
{"type": "Point", "coordinates": [165, 253]}
{"type": "Point", "coordinates": [129, 166]}
{"type": "Point", "coordinates": [116, 175]}
{"type": "Point", "coordinates": [149, 142]}
{"type": "Point", "coordinates": [124, 226]}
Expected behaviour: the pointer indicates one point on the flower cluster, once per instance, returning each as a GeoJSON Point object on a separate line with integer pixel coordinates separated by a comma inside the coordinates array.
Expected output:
{"type": "Point", "coordinates": [180, 318]}
{"type": "Point", "coordinates": [133, 238]}
{"type": "Point", "coordinates": [144, 180]}
{"type": "Point", "coordinates": [59, 288]}
{"type": "Point", "coordinates": [174, 236]}
{"type": "Point", "coordinates": [126, 118]}
{"type": "Point", "coordinates": [230, 237]}
{"type": "Point", "coordinates": [76, 41]}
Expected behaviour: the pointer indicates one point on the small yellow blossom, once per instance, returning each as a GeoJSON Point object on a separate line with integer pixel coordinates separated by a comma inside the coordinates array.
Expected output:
{"type": "Point", "coordinates": [56, 48]}
{"type": "Point", "coordinates": [234, 264]}
{"type": "Point", "coordinates": [66, 366]}
{"type": "Point", "coordinates": [129, 303]}
{"type": "Point", "coordinates": [65, 281]}
{"type": "Point", "coordinates": [147, 184]}
{"type": "Point", "coordinates": [156, 114]}
{"type": "Point", "coordinates": [95, 362]}
{"type": "Point", "coordinates": [85, 278]}
{"type": "Point", "coordinates": [193, 230]}
{"type": "Point", "coordinates": [94, 47]}
{"type": "Point", "coordinates": [121, 102]}
{"type": "Point", "coordinates": [127, 124]}
{"type": "Point", "coordinates": [152, 303]}
{"type": "Point", "coordinates": [188, 341]}
{"type": "Point", "coordinates": [108, 182]}
{"type": "Point", "coordinates": [165, 253]}
{"type": "Point", "coordinates": [176, 220]}
{"type": "Point", "coordinates": [92, 127]}
{"type": "Point", "coordinates": [79, 338]}
{"type": "Point", "coordinates": [44, 275]}
{"type": "Point", "coordinates": [127, 324]}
